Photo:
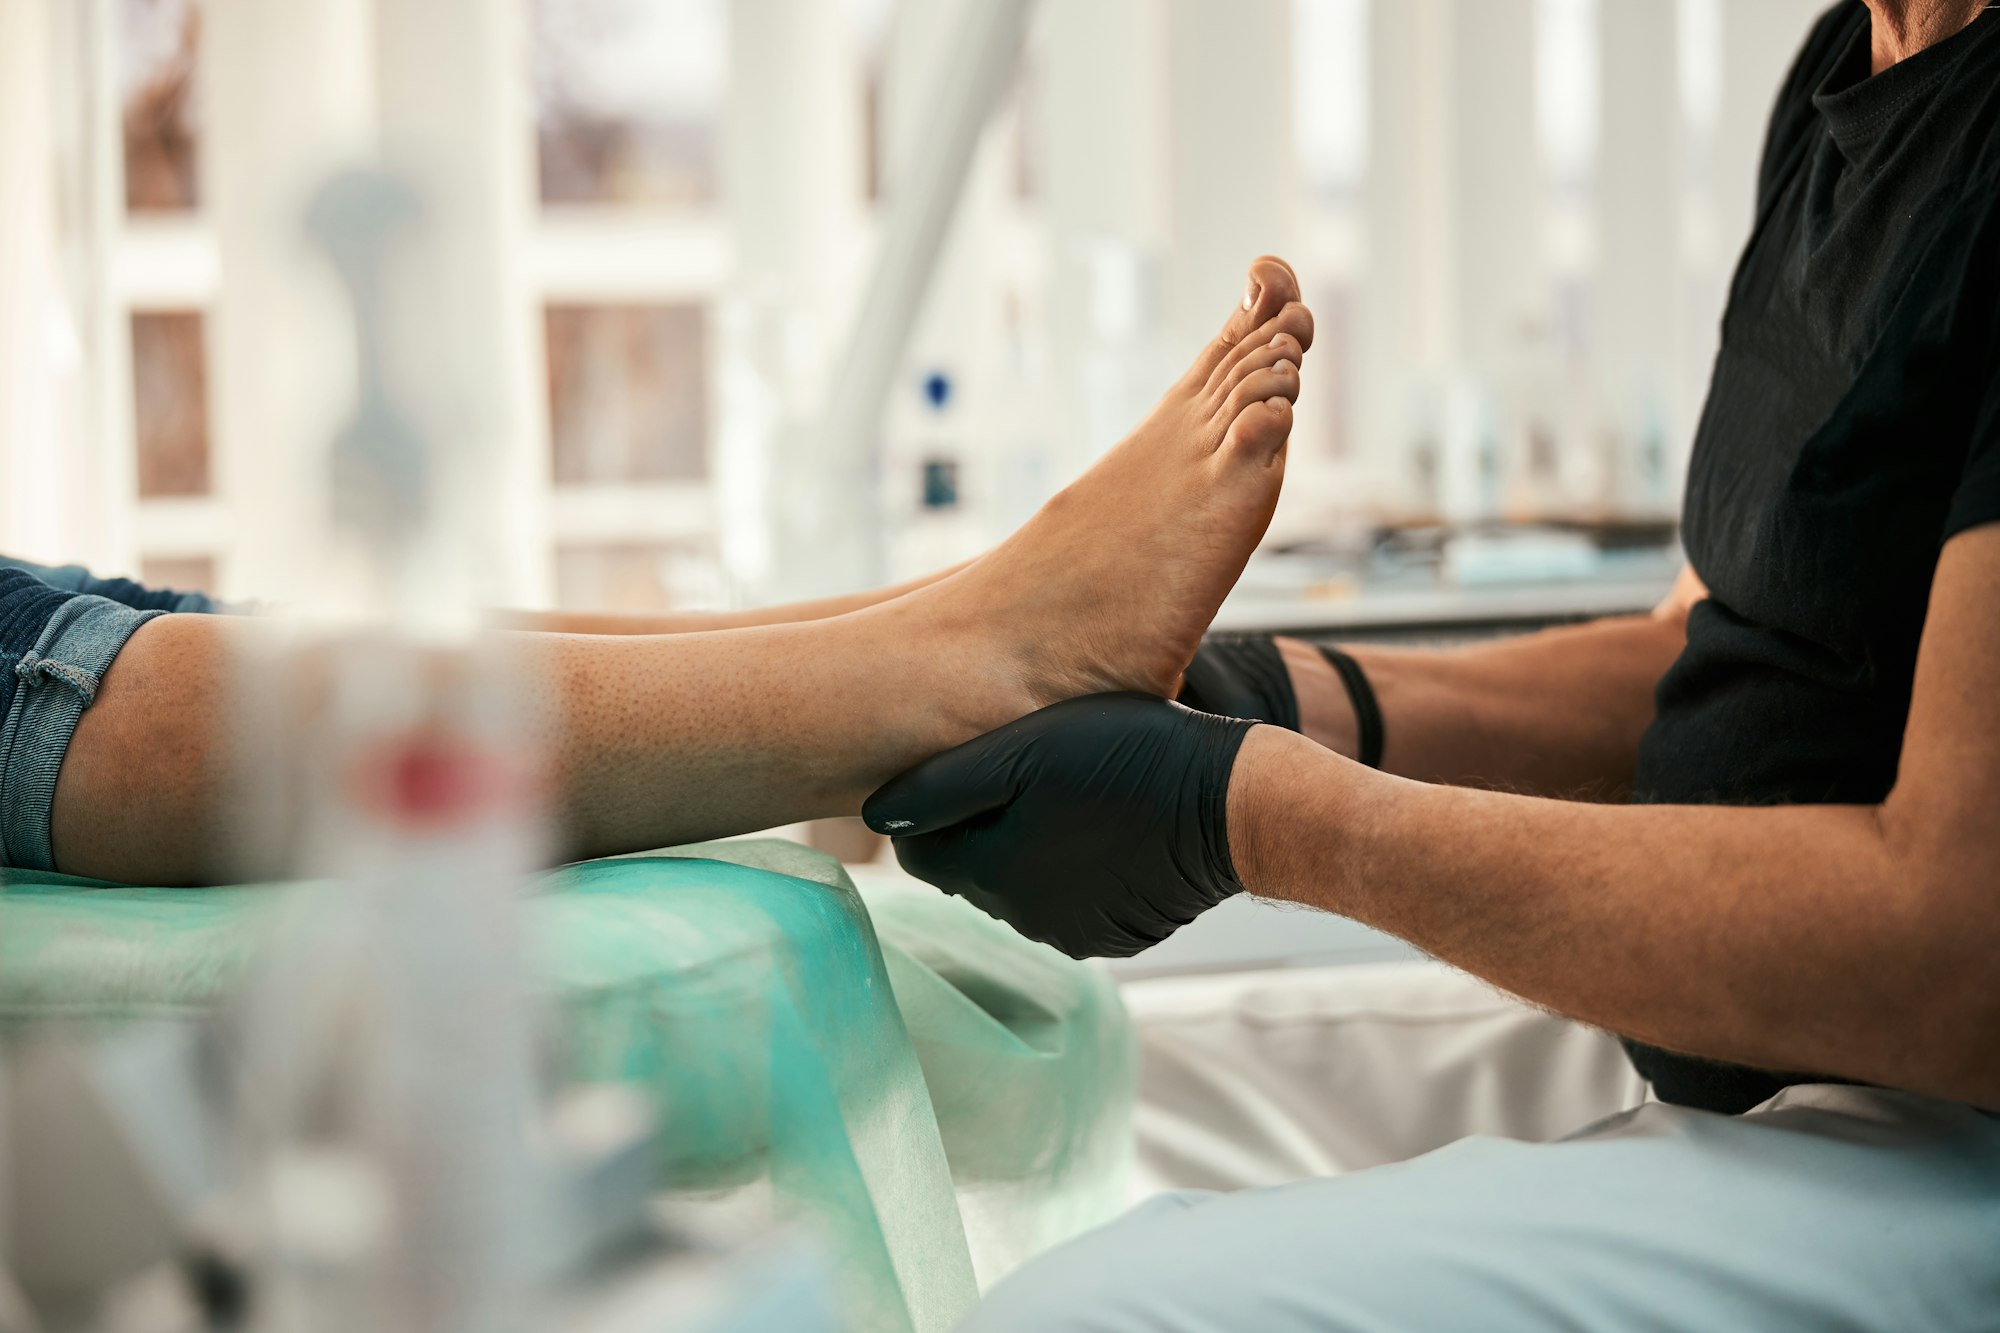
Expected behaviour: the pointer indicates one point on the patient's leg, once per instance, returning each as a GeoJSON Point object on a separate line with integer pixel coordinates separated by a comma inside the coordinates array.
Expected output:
{"type": "Point", "coordinates": [657, 740]}
{"type": "Point", "coordinates": [690, 622]}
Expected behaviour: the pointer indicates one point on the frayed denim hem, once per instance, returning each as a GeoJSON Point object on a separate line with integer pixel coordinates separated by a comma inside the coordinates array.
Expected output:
{"type": "Point", "coordinates": [54, 682]}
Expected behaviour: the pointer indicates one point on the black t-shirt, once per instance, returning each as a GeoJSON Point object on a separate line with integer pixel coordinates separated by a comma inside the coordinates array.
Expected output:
{"type": "Point", "coordinates": [1852, 427]}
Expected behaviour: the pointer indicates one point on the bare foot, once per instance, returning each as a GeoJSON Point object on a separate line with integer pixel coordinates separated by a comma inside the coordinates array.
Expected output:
{"type": "Point", "coordinates": [1112, 584]}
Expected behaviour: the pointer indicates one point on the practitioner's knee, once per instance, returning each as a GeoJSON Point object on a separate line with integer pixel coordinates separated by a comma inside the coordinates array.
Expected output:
{"type": "Point", "coordinates": [1174, 1265]}
{"type": "Point", "coordinates": [1660, 1218]}
{"type": "Point", "coordinates": [1116, 1279]}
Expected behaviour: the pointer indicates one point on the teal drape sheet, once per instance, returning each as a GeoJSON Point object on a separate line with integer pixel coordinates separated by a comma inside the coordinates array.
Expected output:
{"type": "Point", "coordinates": [872, 1084]}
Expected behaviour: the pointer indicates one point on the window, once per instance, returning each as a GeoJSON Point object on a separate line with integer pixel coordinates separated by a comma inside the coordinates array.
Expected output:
{"type": "Point", "coordinates": [627, 393]}
{"type": "Point", "coordinates": [170, 404]}
{"type": "Point", "coordinates": [157, 80]}
{"type": "Point", "coordinates": [182, 573]}
{"type": "Point", "coordinates": [628, 100]}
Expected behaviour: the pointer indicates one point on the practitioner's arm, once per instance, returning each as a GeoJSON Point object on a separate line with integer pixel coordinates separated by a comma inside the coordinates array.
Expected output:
{"type": "Point", "coordinates": [1860, 941]}
{"type": "Point", "coordinates": [1555, 713]}
{"type": "Point", "coordinates": [690, 622]}
{"type": "Point", "coordinates": [1856, 941]}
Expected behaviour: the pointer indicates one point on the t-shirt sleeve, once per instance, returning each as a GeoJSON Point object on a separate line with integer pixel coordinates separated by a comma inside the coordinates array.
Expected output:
{"type": "Point", "coordinates": [1977, 499]}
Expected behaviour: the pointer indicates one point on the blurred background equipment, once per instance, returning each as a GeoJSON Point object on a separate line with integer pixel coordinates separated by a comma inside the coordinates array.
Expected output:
{"type": "Point", "coordinates": [1514, 218]}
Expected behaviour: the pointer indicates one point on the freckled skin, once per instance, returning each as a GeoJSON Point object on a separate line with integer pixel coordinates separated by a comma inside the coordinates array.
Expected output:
{"type": "Point", "coordinates": [659, 739]}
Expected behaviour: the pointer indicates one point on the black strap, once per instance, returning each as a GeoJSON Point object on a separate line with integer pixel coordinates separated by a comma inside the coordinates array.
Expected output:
{"type": "Point", "coordinates": [1367, 712]}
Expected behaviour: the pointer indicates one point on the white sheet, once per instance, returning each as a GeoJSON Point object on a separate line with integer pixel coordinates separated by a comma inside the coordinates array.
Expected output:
{"type": "Point", "coordinates": [1256, 1078]}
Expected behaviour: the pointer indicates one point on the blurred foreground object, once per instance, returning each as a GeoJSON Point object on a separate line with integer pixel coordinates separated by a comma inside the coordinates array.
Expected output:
{"type": "Point", "coordinates": [789, 1066]}
{"type": "Point", "coordinates": [363, 1137]}
{"type": "Point", "coordinates": [387, 1081]}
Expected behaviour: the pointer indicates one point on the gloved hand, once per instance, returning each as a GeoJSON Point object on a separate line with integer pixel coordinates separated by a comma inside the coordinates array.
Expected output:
{"type": "Point", "coordinates": [1098, 826]}
{"type": "Point", "coordinates": [1241, 676]}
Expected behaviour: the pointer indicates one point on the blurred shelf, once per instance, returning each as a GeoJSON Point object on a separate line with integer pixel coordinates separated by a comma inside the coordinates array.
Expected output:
{"type": "Point", "coordinates": [1440, 608]}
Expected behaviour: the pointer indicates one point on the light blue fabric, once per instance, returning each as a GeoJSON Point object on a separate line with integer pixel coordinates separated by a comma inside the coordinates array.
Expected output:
{"type": "Point", "coordinates": [1827, 1209]}
{"type": "Point", "coordinates": [54, 681]}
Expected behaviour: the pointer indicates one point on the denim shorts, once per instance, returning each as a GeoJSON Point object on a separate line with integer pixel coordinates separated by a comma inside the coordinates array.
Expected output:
{"type": "Point", "coordinates": [60, 630]}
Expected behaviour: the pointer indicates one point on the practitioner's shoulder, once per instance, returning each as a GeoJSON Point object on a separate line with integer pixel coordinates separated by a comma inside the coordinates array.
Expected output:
{"type": "Point", "coordinates": [1977, 106]}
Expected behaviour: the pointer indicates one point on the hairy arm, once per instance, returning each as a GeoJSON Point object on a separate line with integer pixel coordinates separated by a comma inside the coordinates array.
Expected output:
{"type": "Point", "coordinates": [1860, 941]}
{"type": "Point", "coordinates": [1555, 713]}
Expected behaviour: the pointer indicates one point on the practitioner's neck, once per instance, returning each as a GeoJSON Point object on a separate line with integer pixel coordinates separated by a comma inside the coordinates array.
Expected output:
{"type": "Point", "coordinates": [1901, 28]}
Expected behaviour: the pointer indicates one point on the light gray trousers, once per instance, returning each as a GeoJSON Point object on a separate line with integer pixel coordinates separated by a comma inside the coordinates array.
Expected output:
{"type": "Point", "coordinates": [1829, 1208]}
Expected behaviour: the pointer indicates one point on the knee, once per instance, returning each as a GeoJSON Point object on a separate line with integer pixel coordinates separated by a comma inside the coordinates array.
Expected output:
{"type": "Point", "coordinates": [1310, 1257]}
{"type": "Point", "coordinates": [1013, 1307]}
{"type": "Point", "coordinates": [1105, 1281]}
{"type": "Point", "coordinates": [1052, 1295]}
{"type": "Point", "coordinates": [1157, 1270]}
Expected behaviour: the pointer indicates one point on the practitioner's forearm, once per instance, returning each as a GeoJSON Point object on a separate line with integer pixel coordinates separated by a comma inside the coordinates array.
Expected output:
{"type": "Point", "coordinates": [1556, 713]}
{"type": "Point", "coordinates": [694, 622]}
{"type": "Point", "coordinates": [1799, 937]}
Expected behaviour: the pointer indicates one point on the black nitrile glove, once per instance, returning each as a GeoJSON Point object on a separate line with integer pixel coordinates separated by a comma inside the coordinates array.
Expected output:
{"type": "Point", "coordinates": [1241, 676]}
{"type": "Point", "coordinates": [1098, 826]}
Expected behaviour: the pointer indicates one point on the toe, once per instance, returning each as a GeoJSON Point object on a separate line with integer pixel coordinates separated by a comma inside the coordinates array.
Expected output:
{"type": "Point", "coordinates": [1271, 286]}
{"type": "Point", "coordinates": [1293, 322]}
{"type": "Point", "coordinates": [1280, 379]}
{"type": "Point", "coordinates": [1255, 355]}
{"type": "Point", "coordinates": [1269, 289]}
{"type": "Point", "coordinates": [1259, 432]}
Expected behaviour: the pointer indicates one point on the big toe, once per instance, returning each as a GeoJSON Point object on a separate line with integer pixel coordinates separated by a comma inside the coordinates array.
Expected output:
{"type": "Point", "coordinates": [1270, 287]}
{"type": "Point", "coordinates": [1270, 305]}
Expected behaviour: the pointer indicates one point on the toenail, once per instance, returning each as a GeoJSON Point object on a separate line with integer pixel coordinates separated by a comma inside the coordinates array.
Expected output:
{"type": "Point", "coordinates": [1250, 294]}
